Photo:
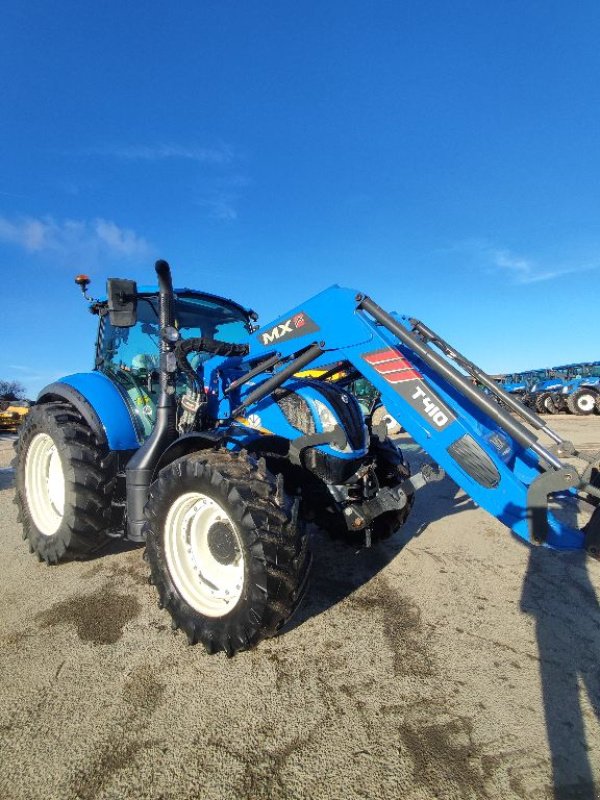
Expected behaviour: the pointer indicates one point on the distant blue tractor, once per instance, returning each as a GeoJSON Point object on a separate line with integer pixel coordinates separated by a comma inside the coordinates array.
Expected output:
{"type": "Point", "coordinates": [580, 393]}
{"type": "Point", "coordinates": [515, 384]}
{"type": "Point", "coordinates": [194, 435]}
{"type": "Point", "coordinates": [542, 392]}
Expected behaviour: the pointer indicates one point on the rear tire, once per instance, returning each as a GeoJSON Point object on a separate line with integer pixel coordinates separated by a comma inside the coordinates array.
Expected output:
{"type": "Point", "coordinates": [227, 553]}
{"type": "Point", "coordinates": [64, 483]}
{"type": "Point", "coordinates": [582, 402]}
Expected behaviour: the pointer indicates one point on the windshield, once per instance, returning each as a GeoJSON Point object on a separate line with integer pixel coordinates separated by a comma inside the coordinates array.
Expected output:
{"type": "Point", "coordinates": [194, 317]}
{"type": "Point", "coordinates": [131, 355]}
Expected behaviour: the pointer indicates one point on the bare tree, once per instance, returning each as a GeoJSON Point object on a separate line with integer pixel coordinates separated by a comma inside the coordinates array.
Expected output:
{"type": "Point", "coordinates": [11, 390]}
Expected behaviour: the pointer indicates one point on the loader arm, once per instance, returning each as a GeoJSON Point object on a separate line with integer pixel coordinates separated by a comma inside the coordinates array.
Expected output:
{"type": "Point", "coordinates": [431, 390]}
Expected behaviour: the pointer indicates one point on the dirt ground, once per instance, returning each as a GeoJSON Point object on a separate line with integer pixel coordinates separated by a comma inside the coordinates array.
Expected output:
{"type": "Point", "coordinates": [451, 662]}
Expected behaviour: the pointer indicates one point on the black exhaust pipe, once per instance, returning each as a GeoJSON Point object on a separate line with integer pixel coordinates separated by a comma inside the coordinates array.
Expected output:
{"type": "Point", "coordinates": [141, 466]}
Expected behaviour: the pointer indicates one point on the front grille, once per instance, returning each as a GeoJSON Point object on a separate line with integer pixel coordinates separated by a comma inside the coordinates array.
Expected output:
{"type": "Point", "coordinates": [296, 410]}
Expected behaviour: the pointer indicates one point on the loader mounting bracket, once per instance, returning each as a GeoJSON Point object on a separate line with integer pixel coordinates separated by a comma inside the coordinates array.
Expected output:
{"type": "Point", "coordinates": [537, 499]}
{"type": "Point", "coordinates": [386, 499]}
{"type": "Point", "coordinates": [335, 436]}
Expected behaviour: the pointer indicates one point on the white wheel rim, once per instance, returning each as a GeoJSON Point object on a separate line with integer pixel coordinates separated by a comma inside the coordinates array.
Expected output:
{"type": "Point", "coordinates": [45, 484]}
{"type": "Point", "coordinates": [586, 402]}
{"type": "Point", "coordinates": [206, 584]}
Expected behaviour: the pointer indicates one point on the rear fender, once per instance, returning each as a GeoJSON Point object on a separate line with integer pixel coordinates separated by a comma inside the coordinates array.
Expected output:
{"type": "Point", "coordinates": [101, 405]}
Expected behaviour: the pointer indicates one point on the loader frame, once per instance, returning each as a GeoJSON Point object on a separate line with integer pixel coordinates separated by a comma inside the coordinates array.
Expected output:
{"type": "Point", "coordinates": [436, 394]}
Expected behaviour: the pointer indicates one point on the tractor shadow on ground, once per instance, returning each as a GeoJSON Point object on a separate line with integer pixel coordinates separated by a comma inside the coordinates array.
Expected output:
{"type": "Point", "coordinates": [559, 595]}
{"type": "Point", "coordinates": [114, 546]}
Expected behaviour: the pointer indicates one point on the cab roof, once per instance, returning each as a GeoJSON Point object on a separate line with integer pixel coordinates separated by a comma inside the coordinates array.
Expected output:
{"type": "Point", "coordinates": [149, 291]}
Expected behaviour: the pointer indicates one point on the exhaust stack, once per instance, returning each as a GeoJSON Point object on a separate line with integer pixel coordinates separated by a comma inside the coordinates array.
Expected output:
{"type": "Point", "coordinates": [141, 466]}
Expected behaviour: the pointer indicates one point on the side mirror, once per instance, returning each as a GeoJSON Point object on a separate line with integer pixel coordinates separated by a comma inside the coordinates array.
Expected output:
{"type": "Point", "coordinates": [122, 302]}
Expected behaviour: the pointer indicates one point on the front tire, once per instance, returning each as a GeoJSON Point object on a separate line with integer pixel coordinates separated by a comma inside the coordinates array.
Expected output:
{"type": "Point", "coordinates": [227, 553]}
{"type": "Point", "coordinates": [63, 484]}
{"type": "Point", "coordinates": [551, 405]}
{"type": "Point", "coordinates": [382, 415]}
{"type": "Point", "coordinates": [391, 469]}
{"type": "Point", "coordinates": [582, 402]}
{"type": "Point", "coordinates": [540, 402]}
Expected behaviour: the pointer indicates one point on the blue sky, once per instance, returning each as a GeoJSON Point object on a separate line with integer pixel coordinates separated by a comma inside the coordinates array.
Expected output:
{"type": "Point", "coordinates": [443, 157]}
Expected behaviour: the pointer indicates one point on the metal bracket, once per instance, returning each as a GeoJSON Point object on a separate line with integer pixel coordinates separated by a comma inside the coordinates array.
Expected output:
{"type": "Point", "coordinates": [361, 515]}
{"type": "Point", "coordinates": [430, 473]}
{"type": "Point", "coordinates": [335, 436]}
{"type": "Point", "coordinates": [537, 499]}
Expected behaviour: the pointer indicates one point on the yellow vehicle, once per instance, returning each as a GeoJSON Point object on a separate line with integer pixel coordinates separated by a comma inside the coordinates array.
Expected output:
{"type": "Point", "coordinates": [12, 414]}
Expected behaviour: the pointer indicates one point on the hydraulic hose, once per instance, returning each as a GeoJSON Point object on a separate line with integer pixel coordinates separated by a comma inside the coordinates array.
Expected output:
{"type": "Point", "coordinates": [198, 345]}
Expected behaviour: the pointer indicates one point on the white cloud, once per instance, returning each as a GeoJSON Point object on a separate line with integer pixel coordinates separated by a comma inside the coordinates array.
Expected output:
{"type": "Point", "coordinates": [204, 155]}
{"type": "Point", "coordinates": [121, 241]}
{"type": "Point", "coordinates": [220, 188]}
{"type": "Point", "coordinates": [74, 238]}
{"type": "Point", "coordinates": [221, 197]}
{"type": "Point", "coordinates": [521, 269]}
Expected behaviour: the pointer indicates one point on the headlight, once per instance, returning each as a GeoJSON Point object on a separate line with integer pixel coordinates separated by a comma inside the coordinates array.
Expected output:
{"type": "Point", "coordinates": [564, 390]}
{"type": "Point", "coordinates": [329, 423]}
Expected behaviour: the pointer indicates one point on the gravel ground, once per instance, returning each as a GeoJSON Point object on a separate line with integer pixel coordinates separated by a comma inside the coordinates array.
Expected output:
{"type": "Point", "coordinates": [451, 662]}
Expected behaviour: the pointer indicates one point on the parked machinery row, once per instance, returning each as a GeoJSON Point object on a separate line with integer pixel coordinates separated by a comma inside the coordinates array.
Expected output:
{"type": "Point", "coordinates": [571, 388]}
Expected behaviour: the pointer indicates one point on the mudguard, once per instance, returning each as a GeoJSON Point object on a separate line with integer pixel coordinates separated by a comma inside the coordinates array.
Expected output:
{"type": "Point", "coordinates": [101, 404]}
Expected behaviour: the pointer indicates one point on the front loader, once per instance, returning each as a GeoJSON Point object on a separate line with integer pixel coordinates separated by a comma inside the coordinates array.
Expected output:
{"type": "Point", "coordinates": [196, 435]}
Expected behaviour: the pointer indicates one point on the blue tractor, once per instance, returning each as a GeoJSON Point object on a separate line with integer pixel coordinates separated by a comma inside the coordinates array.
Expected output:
{"type": "Point", "coordinates": [516, 383]}
{"type": "Point", "coordinates": [580, 393]}
{"type": "Point", "coordinates": [194, 435]}
{"type": "Point", "coordinates": [544, 389]}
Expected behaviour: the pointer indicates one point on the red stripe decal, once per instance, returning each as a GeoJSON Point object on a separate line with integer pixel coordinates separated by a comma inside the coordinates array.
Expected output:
{"type": "Point", "coordinates": [392, 366]}
{"type": "Point", "coordinates": [382, 355]}
{"type": "Point", "coordinates": [402, 375]}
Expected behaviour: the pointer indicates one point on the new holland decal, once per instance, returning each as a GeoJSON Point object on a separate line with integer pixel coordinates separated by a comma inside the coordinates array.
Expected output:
{"type": "Point", "coordinates": [409, 384]}
{"type": "Point", "coordinates": [298, 325]}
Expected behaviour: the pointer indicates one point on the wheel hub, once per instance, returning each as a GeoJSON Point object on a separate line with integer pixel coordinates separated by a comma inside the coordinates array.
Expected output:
{"type": "Point", "coordinates": [586, 402]}
{"type": "Point", "coordinates": [222, 543]}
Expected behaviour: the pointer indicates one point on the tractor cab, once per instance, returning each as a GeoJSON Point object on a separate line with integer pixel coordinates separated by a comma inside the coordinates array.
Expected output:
{"type": "Point", "coordinates": [128, 342]}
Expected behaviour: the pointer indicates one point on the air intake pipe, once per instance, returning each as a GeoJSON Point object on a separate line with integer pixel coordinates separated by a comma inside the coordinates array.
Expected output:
{"type": "Point", "coordinates": [141, 466]}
